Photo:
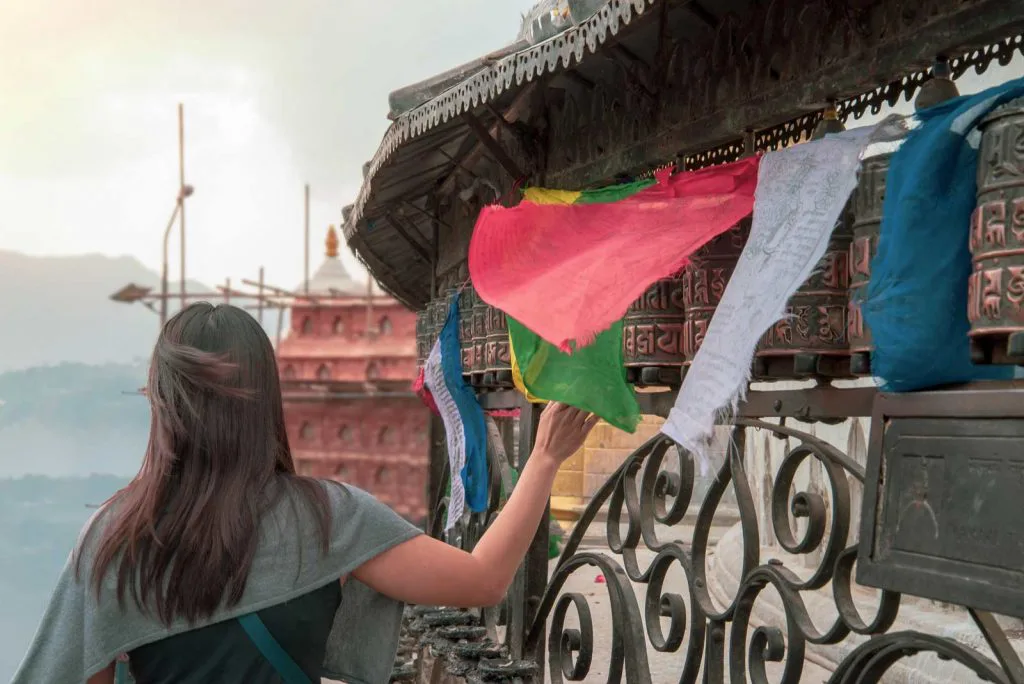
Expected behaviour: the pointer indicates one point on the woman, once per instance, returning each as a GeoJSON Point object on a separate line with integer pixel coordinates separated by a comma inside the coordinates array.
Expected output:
{"type": "Point", "coordinates": [219, 564]}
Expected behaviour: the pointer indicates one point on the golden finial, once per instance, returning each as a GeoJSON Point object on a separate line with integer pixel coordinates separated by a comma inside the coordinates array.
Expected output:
{"type": "Point", "coordinates": [332, 243]}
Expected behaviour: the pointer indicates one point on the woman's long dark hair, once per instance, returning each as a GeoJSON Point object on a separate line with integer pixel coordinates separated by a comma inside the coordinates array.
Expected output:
{"type": "Point", "coordinates": [184, 532]}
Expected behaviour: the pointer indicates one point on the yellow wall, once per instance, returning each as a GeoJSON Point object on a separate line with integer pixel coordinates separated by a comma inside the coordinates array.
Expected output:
{"type": "Point", "coordinates": [583, 474]}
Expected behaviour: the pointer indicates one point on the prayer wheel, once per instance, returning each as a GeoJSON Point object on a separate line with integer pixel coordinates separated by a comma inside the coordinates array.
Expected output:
{"type": "Point", "coordinates": [468, 351]}
{"type": "Point", "coordinates": [479, 328]}
{"type": "Point", "coordinates": [811, 340]}
{"type": "Point", "coordinates": [704, 282]}
{"type": "Point", "coordinates": [653, 334]}
{"type": "Point", "coordinates": [867, 223]}
{"type": "Point", "coordinates": [497, 354]}
{"type": "Point", "coordinates": [422, 335]}
{"type": "Point", "coordinates": [995, 292]}
{"type": "Point", "coordinates": [438, 313]}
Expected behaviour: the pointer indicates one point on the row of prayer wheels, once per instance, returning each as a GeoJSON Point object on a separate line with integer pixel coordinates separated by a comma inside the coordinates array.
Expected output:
{"type": "Point", "coordinates": [483, 337]}
{"type": "Point", "coordinates": [823, 333]}
{"type": "Point", "coordinates": [664, 329]}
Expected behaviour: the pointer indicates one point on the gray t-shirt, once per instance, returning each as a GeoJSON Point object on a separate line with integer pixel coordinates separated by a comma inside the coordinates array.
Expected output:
{"type": "Point", "coordinates": [81, 634]}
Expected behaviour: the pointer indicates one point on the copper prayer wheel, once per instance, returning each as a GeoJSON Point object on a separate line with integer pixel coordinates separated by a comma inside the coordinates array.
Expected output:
{"type": "Point", "coordinates": [479, 329]}
{"type": "Point", "coordinates": [429, 326]}
{"type": "Point", "coordinates": [811, 340]}
{"type": "Point", "coordinates": [423, 335]}
{"type": "Point", "coordinates": [867, 222]}
{"type": "Point", "coordinates": [995, 292]}
{"type": "Point", "coordinates": [653, 334]}
{"type": "Point", "coordinates": [704, 282]}
{"type": "Point", "coordinates": [466, 301]}
{"type": "Point", "coordinates": [497, 355]}
{"type": "Point", "coordinates": [438, 314]}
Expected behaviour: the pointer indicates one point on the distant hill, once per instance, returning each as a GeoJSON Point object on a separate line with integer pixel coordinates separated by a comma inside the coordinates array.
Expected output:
{"type": "Point", "coordinates": [73, 420]}
{"type": "Point", "coordinates": [58, 309]}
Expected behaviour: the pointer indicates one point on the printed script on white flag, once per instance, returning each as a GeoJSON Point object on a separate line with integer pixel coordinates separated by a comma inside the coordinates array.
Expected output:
{"type": "Point", "coordinates": [801, 191]}
{"type": "Point", "coordinates": [433, 378]}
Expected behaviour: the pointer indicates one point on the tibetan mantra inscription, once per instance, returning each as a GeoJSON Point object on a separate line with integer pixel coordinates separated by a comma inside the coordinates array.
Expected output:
{"type": "Point", "coordinates": [816, 313]}
{"type": "Point", "coordinates": [653, 329]}
{"type": "Point", "coordinates": [422, 337]}
{"type": "Point", "coordinates": [478, 329]}
{"type": "Point", "coordinates": [947, 522]}
{"type": "Point", "coordinates": [995, 292]}
{"type": "Point", "coordinates": [867, 223]}
{"type": "Point", "coordinates": [497, 356]}
{"type": "Point", "coordinates": [466, 303]}
{"type": "Point", "coordinates": [704, 282]}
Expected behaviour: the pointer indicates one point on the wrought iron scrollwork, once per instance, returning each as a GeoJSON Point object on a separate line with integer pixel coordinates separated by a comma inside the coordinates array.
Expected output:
{"type": "Point", "coordinates": [722, 639]}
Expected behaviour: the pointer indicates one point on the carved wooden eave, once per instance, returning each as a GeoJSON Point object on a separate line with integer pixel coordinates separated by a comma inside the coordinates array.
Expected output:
{"type": "Point", "coordinates": [643, 83]}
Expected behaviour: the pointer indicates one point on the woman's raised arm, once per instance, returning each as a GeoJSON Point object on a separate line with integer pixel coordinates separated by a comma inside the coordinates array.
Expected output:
{"type": "Point", "coordinates": [429, 572]}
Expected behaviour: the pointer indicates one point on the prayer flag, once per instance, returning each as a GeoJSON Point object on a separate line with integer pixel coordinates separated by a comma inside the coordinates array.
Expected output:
{"type": "Point", "coordinates": [464, 423]}
{"type": "Point", "coordinates": [591, 378]}
{"type": "Point", "coordinates": [420, 388]}
{"type": "Point", "coordinates": [916, 301]}
{"type": "Point", "coordinates": [801, 191]}
{"type": "Point", "coordinates": [568, 271]}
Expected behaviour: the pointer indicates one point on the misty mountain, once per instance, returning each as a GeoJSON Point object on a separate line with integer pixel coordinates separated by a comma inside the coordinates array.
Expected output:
{"type": "Point", "coordinates": [58, 309]}
{"type": "Point", "coordinates": [73, 420]}
{"type": "Point", "coordinates": [42, 518]}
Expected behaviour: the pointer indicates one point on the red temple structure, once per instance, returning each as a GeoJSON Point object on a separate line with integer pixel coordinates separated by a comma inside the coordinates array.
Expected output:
{"type": "Point", "coordinates": [347, 367]}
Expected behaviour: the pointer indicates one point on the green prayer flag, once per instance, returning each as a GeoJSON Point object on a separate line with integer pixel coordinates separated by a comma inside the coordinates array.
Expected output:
{"type": "Point", "coordinates": [591, 378]}
{"type": "Point", "coordinates": [613, 193]}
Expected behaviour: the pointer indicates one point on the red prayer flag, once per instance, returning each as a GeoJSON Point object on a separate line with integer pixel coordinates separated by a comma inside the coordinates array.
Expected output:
{"type": "Point", "coordinates": [419, 386]}
{"type": "Point", "coordinates": [569, 271]}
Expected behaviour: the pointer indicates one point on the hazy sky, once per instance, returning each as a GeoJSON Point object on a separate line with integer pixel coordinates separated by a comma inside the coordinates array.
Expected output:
{"type": "Point", "coordinates": [276, 94]}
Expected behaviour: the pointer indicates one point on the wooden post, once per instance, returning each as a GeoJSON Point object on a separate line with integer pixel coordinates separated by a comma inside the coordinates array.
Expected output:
{"type": "Point", "coordinates": [259, 298]}
{"type": "Point", "coordinates": [532, 577]}
{"type": "Point", "coordinates": [280, 325]}
{"type": "Point", "coordinates": [181, 194]}
{"type": "Point", "coordinates": [305, 267]}
{"type": "Point", "coordinates": [437, 458]}
{"type": "Point", "coordinates": [370, 332]}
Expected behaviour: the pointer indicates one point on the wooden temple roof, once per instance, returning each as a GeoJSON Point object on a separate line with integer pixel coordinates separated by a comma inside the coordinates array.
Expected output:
{"type": "Point", "coordinates": [635, 85]}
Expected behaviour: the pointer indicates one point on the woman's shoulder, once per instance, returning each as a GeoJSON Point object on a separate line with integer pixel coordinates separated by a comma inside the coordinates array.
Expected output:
{"type": "Point", "coordinates": [352, 511]}
{"type": "Point", "coordinates": [93, 528]}
{"type": "Point", "coordinates": [345, 501]}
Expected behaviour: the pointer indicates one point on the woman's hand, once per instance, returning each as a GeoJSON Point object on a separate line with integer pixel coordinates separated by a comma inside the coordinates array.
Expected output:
{"type": "Point", "coordinates": [427, 571]}
{"type": "Point", "coordinates": [562, 431]}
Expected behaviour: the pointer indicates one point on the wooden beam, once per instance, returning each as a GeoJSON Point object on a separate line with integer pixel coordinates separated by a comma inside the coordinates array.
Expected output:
{"type": "Point", "coordinates": [500, 119]}
{"type": "Point", "coordinates": [459, 165]}
{"type": "Point", "coordinates": [375, 263]}
{"type": "Point", "coordinates": [493, 146]}
{"type": "Point", "coordinates": [416, 173]}
{"type": "Point", "coordinates": [699, 11]}
{"type": "Point", "coordinates": [575, 76]}
{"type": "Point", "coordinates": [426, 213]}
{"type": "Point", "coordinates": [515, 110]}
{"type": "Point", "coordinates": [418, 249]}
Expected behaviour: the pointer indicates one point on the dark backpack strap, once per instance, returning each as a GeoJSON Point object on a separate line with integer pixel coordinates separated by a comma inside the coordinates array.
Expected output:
{"type": "Point", "coordinates": [121, 675]}
{"type": "Point", "coordinates": [261, 637]}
